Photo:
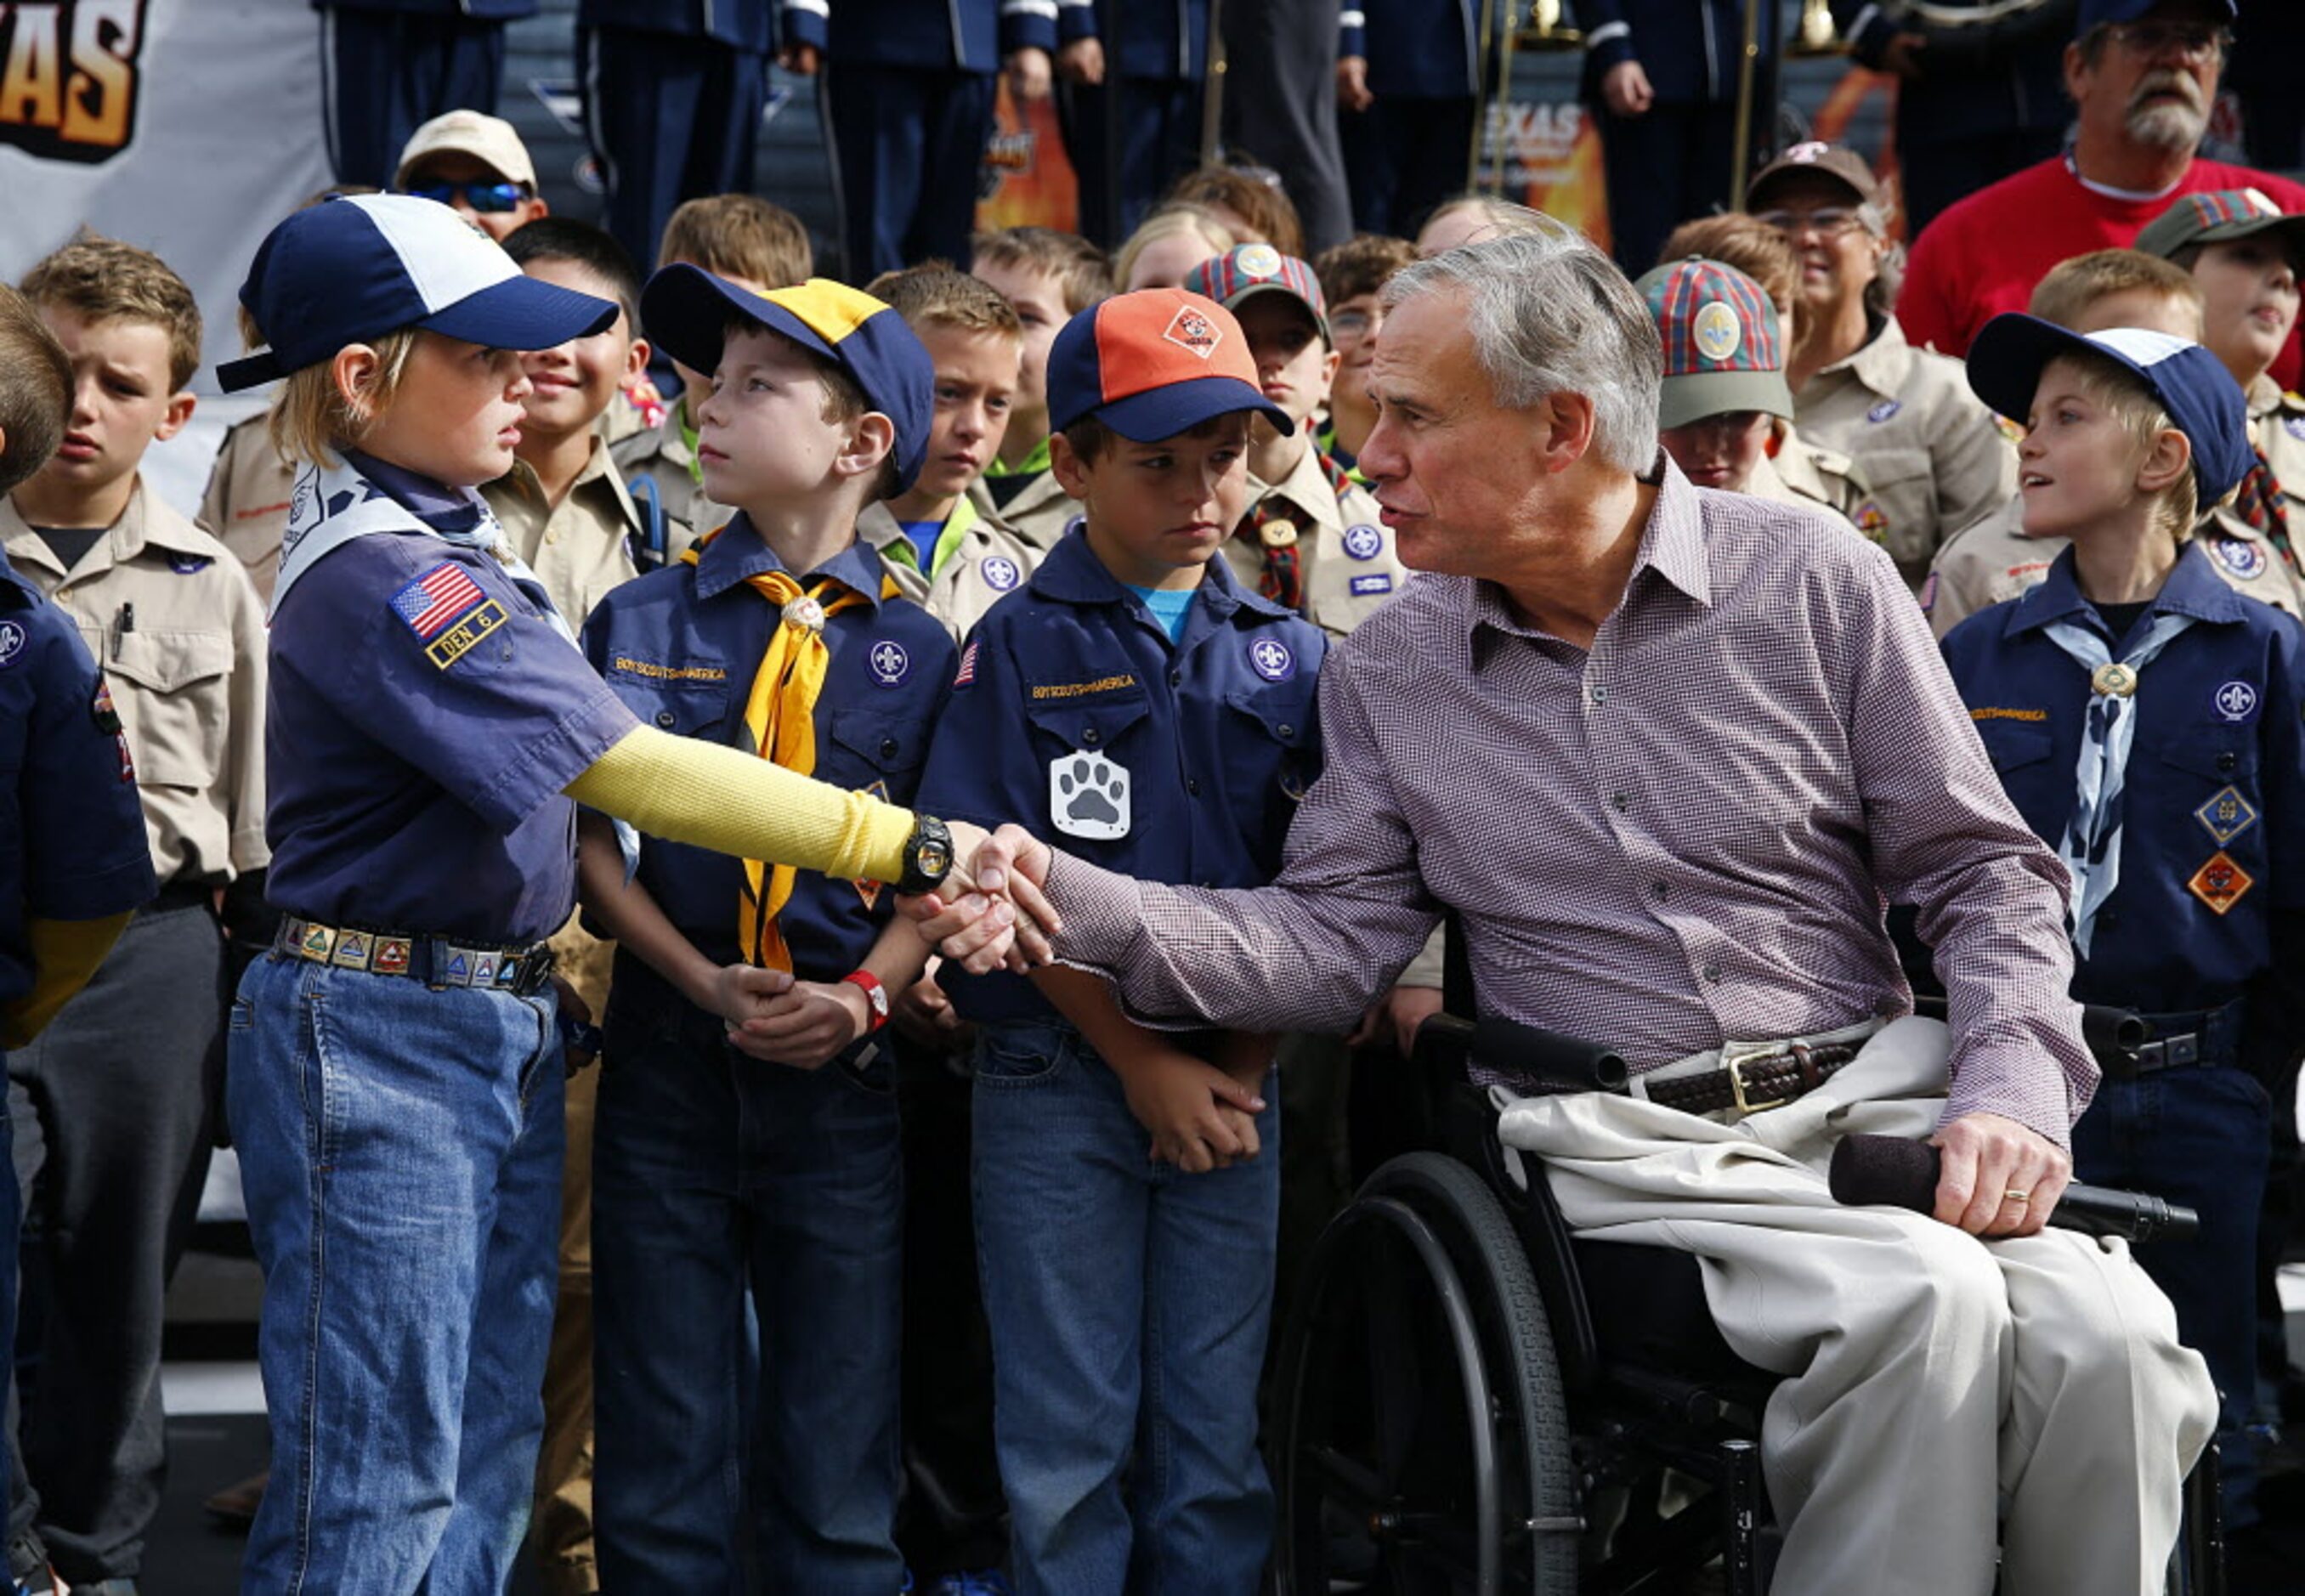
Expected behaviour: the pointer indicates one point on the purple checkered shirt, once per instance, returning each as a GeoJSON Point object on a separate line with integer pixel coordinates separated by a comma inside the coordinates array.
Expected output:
{"type": "Point", "coordinates": [1682, 837]}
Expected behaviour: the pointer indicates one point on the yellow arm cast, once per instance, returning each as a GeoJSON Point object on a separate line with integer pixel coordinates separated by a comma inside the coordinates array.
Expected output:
{"type": "Point", "coordinates": [708, 797]}
{"type": "Point", "coordinates": [65, 954]}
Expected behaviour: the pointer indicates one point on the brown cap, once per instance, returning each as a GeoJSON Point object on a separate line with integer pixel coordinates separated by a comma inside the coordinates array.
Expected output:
{"type": "Point", "coordinates": [488, 140]}
{"type": "Point", "coordinates": [1834, 160]}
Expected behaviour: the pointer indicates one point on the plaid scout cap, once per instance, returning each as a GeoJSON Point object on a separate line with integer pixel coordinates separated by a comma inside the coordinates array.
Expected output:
{"type": "Point", "coordinates": [1833, 160]}
{"type": "Point", "coordinates": [351, 269]}
{"type": "Point", "coordinates": [490, 141]}
{"type": "Point", "coordinates": [2009, 352]}
{"type": "Point", "coordinates": [2217, 216]}
{"type": "Point", "coordinates": [1722, 350]}
{"type": "Point", "coordinates": [685, 311]}
{"type": "Point", "coordinates": [1247, 270]}
{"type": "Point", "coordinates": [1152, 364]}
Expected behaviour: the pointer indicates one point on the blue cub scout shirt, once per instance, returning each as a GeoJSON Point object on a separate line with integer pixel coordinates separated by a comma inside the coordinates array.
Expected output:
{"type": "Point", "coordinates": [424, 716]}
{"type": "Point", "coordinates": [71, 831]}
{"type": "Point", "coordinates": [2211, 848]}
{"type": "Point", "coordinates": [1075, 716]}
{"type": "Point", "coordinates": [681, 647]}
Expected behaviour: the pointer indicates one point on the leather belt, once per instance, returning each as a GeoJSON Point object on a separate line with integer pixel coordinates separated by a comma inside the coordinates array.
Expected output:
{"type": "Point", "coordinates": [1753, 1082]}
{"type": "Point", "coordinates": [436, 961]}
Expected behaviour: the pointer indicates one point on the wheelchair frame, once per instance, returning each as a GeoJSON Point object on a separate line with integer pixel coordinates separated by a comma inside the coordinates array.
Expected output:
{"type": "Point", "coordinates": [1447, 1419]}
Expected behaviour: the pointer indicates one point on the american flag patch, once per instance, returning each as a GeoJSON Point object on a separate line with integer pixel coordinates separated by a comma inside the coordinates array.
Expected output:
{"type": "Point", "coordinates": [438, 600]}
{"type": "Point", "coordinates": [967, 667]}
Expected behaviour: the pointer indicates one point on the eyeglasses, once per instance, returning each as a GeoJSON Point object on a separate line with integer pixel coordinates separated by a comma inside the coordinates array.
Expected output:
{"type": "Point", "coordinates": [1830, 222]}
{"type": "Point", "coordinates": [2194, 41]}
{"type": "Point", "coordinates": [489, 199]}
{"type": "Point", "coordinates": [1354, 324]}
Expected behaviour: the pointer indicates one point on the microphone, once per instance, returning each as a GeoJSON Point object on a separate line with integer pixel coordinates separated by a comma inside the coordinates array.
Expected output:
{"type": "Point", "coordinates": [1891, 1172]}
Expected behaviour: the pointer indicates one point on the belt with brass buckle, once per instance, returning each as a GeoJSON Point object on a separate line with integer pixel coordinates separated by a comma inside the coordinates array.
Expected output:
{"type": "Point", "coordinates": [436, 961]}
{"type": "Point", "coordinates": [1753, 1082]}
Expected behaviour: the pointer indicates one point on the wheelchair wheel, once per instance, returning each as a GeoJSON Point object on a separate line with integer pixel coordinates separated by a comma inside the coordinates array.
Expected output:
{"type": "Point", "coordinates": [1423, 1437]}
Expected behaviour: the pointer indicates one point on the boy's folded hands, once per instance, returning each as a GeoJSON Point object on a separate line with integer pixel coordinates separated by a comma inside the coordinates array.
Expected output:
{"type": "Point", "coordinates": [1200, 1117]}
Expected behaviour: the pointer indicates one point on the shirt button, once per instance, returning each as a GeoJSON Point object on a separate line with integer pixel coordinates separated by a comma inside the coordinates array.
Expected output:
{"type": "Point", "coordinates": [1193, 787]}
{"type": "Point", "coordinates": [1175, 678]}
{"type": "Point", "coordinates": [1622, 802]}
{"type": "Point", "coordinates": [1091, 736]}
{"type": "Point", "coordinates": [666, 719]}
{"type": "Point", "coordinates": [1713, 972]}
{"type": "Point", "coordinates": [888, 748]}
{"type": "Point", "coordinates": [1598, 693]}
{"type": "Point", "coordinates": [1663, 889]}
{"type": "Point", "coordinates": [2226, 761]}
{"type": "Point", "coordinates": [1287, 731]}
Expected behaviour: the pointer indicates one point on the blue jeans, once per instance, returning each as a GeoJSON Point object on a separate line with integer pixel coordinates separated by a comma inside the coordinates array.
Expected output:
{"type": "Point", "coordinates": [400, 1154]}
{"type": "Point", "coordinates": [1128, 1304]}
{"type": "Point", "coordinates": [2201, 1137]}
{"type": "Point", "coordinates": [717, 1178]}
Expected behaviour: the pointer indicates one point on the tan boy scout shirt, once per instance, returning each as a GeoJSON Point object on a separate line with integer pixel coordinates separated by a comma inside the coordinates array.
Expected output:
{"type": "Point", "coordinates": [1036, 515]}
{"type": "Point", "coordinates": [246, 505]}
{"type": "Point", "coordinates": [1347, 561]}
{"type": "Point", "coordinates": [657, 465]}
{"type": "Point", "coordinates": [1814, 479]}
{"type": "Point", "coordinates": [1994, 562]}
{"type": "Point", "coordinates": [579, 548]}
{"type": "Point", "coordinates": [1933, 456]}
{"type": "Point", "coordinates": [2276, 425]}
{"type": "Point", "coordinates": [991, 563]}
{"type": "Point", "coordinates": [168, 613]}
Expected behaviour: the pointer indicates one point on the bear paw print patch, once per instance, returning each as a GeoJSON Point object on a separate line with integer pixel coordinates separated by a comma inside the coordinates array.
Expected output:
{"type": "Point", "coordinates": [1088, 796]}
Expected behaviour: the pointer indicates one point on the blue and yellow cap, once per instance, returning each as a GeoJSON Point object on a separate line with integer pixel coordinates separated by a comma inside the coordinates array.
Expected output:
{"type": "Point", "coordinates": [686, 309]}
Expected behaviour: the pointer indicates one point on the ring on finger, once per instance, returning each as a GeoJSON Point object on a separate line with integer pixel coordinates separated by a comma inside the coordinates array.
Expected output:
{"type": "Point", "coordinates": [2014, 1195]}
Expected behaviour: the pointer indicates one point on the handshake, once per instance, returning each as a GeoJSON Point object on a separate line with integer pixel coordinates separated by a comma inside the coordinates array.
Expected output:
{"type": "Point", "coordinates": [990, 912]}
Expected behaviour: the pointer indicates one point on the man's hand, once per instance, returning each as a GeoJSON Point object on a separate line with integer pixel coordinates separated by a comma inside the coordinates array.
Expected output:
{"type": "Point", "coordinates": [807, 1026]}
{"type": "Point", "coordinates": [1352, 84]}
{"type": "Point", "coordinates": [1028, 72]}
{"type": "Point", "coordinates": [1082, 61]}
{"type": "Point", "coordinates": [991, 913]}
{"type": "Point", "coordinates": [1625, 89]}
{"type": "Point", "coordinates": [1998, 1178]}
{"type": "Point", "coordinates": [1200, 1119]}
{"type": "Point", "coordinates": [1396, 1018]}
{"type": "Point", "coordinates": [801, 59]}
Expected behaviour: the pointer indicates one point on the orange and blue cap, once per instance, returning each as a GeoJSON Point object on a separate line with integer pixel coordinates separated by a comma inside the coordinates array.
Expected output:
{"type": "Point", "coordinates": [1246, 270]}
{"type": "Point", "coordinates": [1152, 364]}
{"type": "Point", "coordinates": [685, 311]}
{"type": "Point", "coordinates": [1722, 349]}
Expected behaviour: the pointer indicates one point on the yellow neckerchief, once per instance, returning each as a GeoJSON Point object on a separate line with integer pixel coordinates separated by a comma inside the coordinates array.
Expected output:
{"type": "Point", "coordinates": [781, 717]}
{"type": "Point", "coordinates": [957, 526]}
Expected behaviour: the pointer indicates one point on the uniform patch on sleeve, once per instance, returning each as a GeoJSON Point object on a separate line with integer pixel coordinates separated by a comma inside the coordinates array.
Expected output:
{"type": "Point", "coordinates": [12, 643]}
{"type": "Point", "coordinates": [448, 612]}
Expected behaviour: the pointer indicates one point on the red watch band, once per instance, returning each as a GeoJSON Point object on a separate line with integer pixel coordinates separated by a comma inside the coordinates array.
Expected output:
{"type": "Point", "coordinates": [876, 997]}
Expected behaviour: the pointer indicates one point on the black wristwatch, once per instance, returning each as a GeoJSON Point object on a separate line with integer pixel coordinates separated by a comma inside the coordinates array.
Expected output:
{"type": "Point", "coordinates": [927, 856]}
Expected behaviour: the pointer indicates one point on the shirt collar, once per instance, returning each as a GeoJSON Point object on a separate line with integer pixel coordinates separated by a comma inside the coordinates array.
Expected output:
{"type": "Point", "coordinates": [1306, 486]}
{"type": "Point", "coordinates": [1071, 574]}
{"type": "Point", "coordinates": [419, 495]}
{"type": "Point", "coordinates": [2192, 589]}
{"type": "Point", "coordinates": [122, 541]}
{"type": "Point", "coordinates": [1881, 362]}
{"type": "Point", "coordinates": [1672, 545]}
{"type": "Point", "coordinates": [738, 554]}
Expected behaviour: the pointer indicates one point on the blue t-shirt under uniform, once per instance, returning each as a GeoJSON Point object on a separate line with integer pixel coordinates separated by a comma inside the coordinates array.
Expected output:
{"type": "Point", "coordinates": [414, 795]}
{"type": "Point", "coordinates": [1168, 606]}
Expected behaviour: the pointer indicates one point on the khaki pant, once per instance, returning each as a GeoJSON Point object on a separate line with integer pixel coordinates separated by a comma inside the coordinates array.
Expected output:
{"type": "Point", "coordinates": [1932, 1382]}
{"type": "Point", "coordinates": [561, 1531]}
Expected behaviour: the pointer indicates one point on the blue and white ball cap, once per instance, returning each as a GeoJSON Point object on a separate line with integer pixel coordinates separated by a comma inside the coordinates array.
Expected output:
{"type": "Point", "coordinates": [353, 269]}
{"type": "Point", "coordinates": [2009, 352]}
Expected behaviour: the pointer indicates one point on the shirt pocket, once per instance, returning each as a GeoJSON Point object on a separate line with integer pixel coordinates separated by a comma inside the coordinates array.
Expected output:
{"type": "Point", "coordinates": [174, 692]}
{"type": "Point", "coordinates": [1903, 483]}
{"type": "Point", "coordinates": [1272, 744]}
{"type": "Point", "coordinates": [2207, 759]}
{"type": "Point", "coordinates": [870, 746]}
{"type": "Point", "coordinates": [2013, 745]}
{"type": "Point", "coordinates": [687, 700]}
{"type": "Point", "coordinates": [1090, 724]}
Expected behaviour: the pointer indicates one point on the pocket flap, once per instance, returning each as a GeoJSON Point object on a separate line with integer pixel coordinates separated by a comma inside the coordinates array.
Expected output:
{"type": "Point", "coordinates": [167, 661]}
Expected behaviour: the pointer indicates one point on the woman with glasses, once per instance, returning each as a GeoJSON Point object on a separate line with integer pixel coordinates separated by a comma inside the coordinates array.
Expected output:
{"type": "Point", "coordinates": [1933, 456]}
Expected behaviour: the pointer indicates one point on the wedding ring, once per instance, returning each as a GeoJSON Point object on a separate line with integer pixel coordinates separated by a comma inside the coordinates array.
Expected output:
{"type": "Point", "coordinates": [2014, 1195]}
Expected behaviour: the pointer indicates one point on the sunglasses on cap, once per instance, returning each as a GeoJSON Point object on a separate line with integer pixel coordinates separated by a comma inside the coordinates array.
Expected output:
{"type": "Point", "coordinates": [489, 199]}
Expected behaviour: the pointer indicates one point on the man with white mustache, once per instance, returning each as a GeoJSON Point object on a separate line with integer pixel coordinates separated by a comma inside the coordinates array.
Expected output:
{"type": "Point", "coordinates": [2142, 75]}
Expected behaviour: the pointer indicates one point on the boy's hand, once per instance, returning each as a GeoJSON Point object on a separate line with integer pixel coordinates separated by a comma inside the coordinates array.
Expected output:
{"type": "Point", "coordinates": [1028, 74]}
{"type": "Point", "coordinates": [925, 1014]}
{"type": "Point", "coordinates": [1195, 1113]}
{"type": "Point", "coordinates": [975, 916]}
{"type": "Point", "coordinates": [738, 993]}
{"type": "Point", "coordinates": [806, 1027]}
{"type": "Point", "coordinates": [1081, 61]}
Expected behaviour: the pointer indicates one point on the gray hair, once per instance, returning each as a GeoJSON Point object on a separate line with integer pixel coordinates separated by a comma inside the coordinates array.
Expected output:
{"type": "Point", "coordinates": [1549, 313]}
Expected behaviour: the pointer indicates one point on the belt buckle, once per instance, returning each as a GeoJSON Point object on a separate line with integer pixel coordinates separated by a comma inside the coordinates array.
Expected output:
{"type": "Point", "coordinates": [1735, 1065]}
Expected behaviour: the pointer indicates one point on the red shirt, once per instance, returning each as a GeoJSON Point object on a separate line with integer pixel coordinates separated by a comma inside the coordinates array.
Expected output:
{"type": "Point", "coordinates": [1985, 255]}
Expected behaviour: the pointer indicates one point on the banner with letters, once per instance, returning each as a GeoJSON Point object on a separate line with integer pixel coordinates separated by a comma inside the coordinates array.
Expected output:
{"type": "Point", "coordinates": [185, 126]}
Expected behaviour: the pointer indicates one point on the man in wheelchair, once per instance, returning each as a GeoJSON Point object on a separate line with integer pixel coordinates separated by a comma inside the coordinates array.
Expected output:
{"type": "Point", "coordinates": [1665, 753]}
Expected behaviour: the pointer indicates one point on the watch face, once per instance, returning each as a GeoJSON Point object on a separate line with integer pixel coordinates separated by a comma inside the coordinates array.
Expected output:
{"type": "Point", "coordinates": [935, 859]}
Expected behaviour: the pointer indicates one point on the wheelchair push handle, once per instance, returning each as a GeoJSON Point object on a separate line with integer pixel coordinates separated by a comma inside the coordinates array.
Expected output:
{"type": "Point", "coordinates": [1537, 1060]}
{"type": "Point", "coordinates": [2111, 1033]}
{"type": "Point", "coordinates": [1891, 1172]}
